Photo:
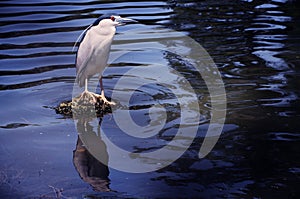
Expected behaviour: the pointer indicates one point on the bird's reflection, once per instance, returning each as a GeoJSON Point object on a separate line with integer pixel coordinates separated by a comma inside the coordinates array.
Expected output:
{"type": "Point", "coordinates": [89, 168]}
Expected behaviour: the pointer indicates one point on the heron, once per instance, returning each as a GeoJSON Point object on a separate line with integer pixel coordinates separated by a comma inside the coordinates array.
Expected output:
{"type": "Point", "coordinates": [93, 52]}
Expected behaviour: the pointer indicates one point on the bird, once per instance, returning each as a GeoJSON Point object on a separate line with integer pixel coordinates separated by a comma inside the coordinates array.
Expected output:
{"type": "Point", "coordinates": [93, 52]}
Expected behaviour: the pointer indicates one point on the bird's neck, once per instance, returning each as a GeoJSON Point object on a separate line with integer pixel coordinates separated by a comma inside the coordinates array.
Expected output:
{"type": "Point", "coordinates": [105, 31]}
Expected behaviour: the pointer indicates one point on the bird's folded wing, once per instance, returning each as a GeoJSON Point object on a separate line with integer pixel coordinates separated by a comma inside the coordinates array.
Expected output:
{"type": "Point", "coordinates": [83, 57]}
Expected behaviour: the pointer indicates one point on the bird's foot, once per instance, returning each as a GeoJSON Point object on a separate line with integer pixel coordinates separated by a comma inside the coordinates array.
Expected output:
{"type": "Point", "coordinates": [103, 98]}
{"type": "Point", "coordinates": [89, 104]}
{"type": "Point", "coordinates": [88, 97]}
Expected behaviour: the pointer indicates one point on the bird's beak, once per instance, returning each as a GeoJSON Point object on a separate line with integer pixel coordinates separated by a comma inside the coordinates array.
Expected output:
{"type": "Point", "coordinates": [123, 21]}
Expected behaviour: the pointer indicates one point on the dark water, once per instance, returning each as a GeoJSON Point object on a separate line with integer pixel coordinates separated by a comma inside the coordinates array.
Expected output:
{"type": "Point", "coordinates": [255, 45]}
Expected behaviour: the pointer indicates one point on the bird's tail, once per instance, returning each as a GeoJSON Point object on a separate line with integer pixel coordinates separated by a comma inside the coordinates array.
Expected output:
{"type": "Point", "coordinates": [80, 80]}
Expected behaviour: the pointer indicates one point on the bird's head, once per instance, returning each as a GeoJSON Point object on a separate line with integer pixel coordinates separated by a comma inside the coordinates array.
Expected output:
{"type": "Point", "coordinates": [119, 21]}
{"type": "Point", "coordinates": [106, 24]}
{"type": "Point", "coordinates": [114, 20]}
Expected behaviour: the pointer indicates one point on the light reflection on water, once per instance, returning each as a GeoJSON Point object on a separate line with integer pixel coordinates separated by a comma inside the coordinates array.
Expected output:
{"type": "Point", "coordinates": [255, 46]}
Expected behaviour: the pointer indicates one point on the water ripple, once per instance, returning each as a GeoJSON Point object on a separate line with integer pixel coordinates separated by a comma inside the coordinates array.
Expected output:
{"type": "Point", "coordinates": [30, 51]}
{"type": "Point", "coordinates": [254, 44]}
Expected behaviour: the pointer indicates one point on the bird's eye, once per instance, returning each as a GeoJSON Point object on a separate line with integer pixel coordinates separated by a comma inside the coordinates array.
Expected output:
{"type": "Point", "coordinates": [112, 18]}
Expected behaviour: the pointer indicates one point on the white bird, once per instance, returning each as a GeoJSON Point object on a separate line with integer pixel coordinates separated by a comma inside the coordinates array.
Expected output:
{"type": "Point", "coordinates": [93, 52]}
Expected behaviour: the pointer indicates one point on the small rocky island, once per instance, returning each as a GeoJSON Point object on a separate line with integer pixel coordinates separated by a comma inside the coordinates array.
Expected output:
{"type": "Point", "coordinates": [79, 107]}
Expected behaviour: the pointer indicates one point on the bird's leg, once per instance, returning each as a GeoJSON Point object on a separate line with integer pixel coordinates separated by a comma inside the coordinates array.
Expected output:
{"type": "Point", "coordinates": [102, 93]}
{"type": "Point", "coordinates": [91, 97]}
{"type": "Point", "coordinates": [86, 95]}
{"type": "Point", "coordinates": [101, 84]}
{"type": "Point", "coordinates": [86, 85]}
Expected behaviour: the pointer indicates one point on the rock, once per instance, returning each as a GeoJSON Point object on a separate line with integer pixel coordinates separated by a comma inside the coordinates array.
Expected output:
{"type": "Point", "coordinates": [80, 108]}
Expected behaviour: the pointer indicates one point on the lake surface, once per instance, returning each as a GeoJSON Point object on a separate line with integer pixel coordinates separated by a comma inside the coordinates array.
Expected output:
{"type": "Point", "coordinates": [254, 44]}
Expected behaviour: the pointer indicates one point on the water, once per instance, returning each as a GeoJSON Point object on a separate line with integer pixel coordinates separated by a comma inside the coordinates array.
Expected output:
{"type": "Point", "coordinates": [255, 45]}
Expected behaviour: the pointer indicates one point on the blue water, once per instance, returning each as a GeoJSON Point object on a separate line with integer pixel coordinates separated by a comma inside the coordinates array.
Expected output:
{"type": "Point", "coordinates": [254, 44]}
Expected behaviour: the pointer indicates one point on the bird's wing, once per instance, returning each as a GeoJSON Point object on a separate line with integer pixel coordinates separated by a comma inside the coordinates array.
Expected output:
{"type": "Point", "coordinates": [81, 37]}
{"type": "Point", "coordinates": [84, 54]}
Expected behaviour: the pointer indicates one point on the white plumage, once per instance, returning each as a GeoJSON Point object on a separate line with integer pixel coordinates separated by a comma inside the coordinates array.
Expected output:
{"type": "Point", "coordinates": [93, 51]}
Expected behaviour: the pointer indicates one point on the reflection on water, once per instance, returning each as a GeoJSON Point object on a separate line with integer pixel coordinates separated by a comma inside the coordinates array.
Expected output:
{"type": "Point", "coordinates": [89, 168]}
{"type": "Point", "coordinates": [255, 45]}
